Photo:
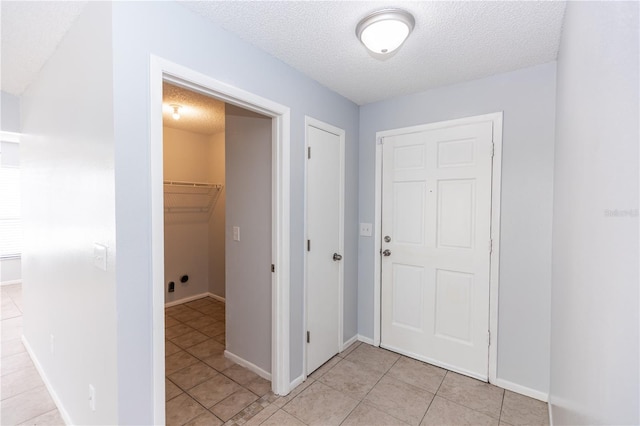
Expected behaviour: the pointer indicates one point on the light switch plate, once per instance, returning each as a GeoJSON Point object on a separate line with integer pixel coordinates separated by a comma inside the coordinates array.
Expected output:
{"type": "Point", "coordinates": [366, 230]}
{"type": "Point", "coordinates": [236, 233]}
{"type": "Point", "coordinates": [100, 256]}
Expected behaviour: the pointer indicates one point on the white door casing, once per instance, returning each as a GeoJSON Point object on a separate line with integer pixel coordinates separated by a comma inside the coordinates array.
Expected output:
{"type": "Point", "coordinates": [161, 69]}
{"type": "Point", "coordinates": [324, 230]}
{"type": "Point", "coordinates": [436, 210]}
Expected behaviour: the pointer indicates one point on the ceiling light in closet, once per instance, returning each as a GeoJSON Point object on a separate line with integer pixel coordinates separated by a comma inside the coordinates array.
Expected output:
{"type": "Point", "coordinates": [176, 111]}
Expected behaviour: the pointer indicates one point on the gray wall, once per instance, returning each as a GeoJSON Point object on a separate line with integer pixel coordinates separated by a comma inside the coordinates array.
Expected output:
{"type": "Point", "coordinates": [248, 261]}
{"type": "Point", "coordinates": [527, 98]}
{"type": "Point", "coordinates": [208, 49]}
{"type": "Point", "coordinates": [594, 339]}
{"type": "Point", "coordinates": [10, 112]}
{"type": "Point", "coordinates": [68, 205]}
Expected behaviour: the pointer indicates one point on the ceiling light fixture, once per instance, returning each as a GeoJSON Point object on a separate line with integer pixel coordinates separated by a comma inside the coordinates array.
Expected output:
{"type": "Point", "coordinates": [384, 31]}
{"type": "Point", "coordinates": [176, 111]}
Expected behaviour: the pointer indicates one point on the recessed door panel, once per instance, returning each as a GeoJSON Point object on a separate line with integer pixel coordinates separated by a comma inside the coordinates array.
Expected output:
{"type": "Point", "coordinates": [456, 212]}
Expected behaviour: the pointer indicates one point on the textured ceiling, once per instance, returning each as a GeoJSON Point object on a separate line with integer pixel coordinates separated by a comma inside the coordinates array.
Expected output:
{"type": "Point", "coordinates": [452, 41]}
{"type": "Point", "coordinates": [198, 113]}
{"type": "Point", "coordinates": [30, 34]}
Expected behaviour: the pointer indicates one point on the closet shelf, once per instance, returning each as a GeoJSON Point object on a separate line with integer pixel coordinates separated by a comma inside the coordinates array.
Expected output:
{"type": "Point", "coordinates": [190, 197]}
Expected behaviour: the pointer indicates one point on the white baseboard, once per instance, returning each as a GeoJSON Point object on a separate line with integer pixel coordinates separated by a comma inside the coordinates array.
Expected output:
{"type": "Point", "coordinates": [349, 342]}
{"type": "Point", "coordinates": [248, 365]}
{"type": "Point", "coordinates": [215, 296]}
{"type": "Point", "coordinates": [185, 300]}
{"type": "Point", "coordinates": [296, 382]}
{"type": "Point", "coordinates": [56, 400]}
{"type": "Point", "coordinates": [522, 390]}
{"type": "Point", "coordinates": [12, 282]}
{"type": "Point", "coordinates": [192, 298]}
{"type": "Point", "coordinates": [366, 340]}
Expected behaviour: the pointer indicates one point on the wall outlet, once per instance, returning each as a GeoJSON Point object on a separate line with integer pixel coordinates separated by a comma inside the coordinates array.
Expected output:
{"type": "Point", "coordinates": [236, 233]}
{"type": "Point", "coordinates": [92, 398]}
{"type": "Point", "coordinates": [366, 230]}
{"type": "Point", "coordinates": [51, 344]}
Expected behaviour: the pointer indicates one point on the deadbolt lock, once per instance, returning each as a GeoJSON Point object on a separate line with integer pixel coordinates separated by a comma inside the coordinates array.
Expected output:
{"type": "Point", "coordinates": [387, 239]}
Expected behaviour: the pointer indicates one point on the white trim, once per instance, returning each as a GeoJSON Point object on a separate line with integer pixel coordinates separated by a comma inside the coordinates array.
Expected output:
{"type": "Point", "coordinates": [218, 298]}
{"type": "Point", "coordinates": [366, 340]}
{"type": "Point", "coordinates": [161, 70]}
{"type": "Point", "coordinates": [522, 390]}
{"type": "Point", "coordinates": [348, 343]}
{"type": "Point", "coordinates": [550, 411]}
{"type": "Point", "coordinates": [312, 122]}
{"type": "Point", "coordinates": [297, 381]}
{"type": "Point", "coordinates": [496, 191]}
{"type": "Point", "coordinates": [56, 400]}
{"type": "Point", "coordinates": [494, 273]}
{"type": "Point", "coordinates": [186, 299]}
{"type": "Point", "coordinates": [195, 297]}
{"type": "Point", "coordinates": [10, 282]}
{"type": "Point", "coordinates": [10, 136]}
{"type": "Point", "coordinates": [248, 365]}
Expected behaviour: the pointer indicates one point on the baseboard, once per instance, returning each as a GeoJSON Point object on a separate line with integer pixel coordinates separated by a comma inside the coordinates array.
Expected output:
{"type": "Point", "coordinates": [192, 298]}
{"type": "Point", "coordinates": [11, 282]}
{"type": "Point", "coordinates": [185, 300]}
{"type": "Point", "coordinates": [522, 390]}
{"type": "Point", "coordinates": [248, 365]}
{"type": "Point", "coordinates": [349, 342]}
{"type": "Point", "coordinates": [296, 382]}
{"type": "Point", "coordinates": [215, 296]}
{"type": "Point", "coordinates": [56, 400]}
{"type": "Point", "coordinates": [364, 339]}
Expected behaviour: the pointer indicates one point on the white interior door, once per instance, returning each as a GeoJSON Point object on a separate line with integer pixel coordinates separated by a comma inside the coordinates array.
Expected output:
{"type": "Point", "coordinates": [325, 189]}
{"type": "Point", "coordinates": [436, 219]}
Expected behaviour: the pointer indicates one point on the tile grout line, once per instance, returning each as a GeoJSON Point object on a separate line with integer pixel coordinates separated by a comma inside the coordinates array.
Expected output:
{"type": "Point", "coordinates": [185, 349]}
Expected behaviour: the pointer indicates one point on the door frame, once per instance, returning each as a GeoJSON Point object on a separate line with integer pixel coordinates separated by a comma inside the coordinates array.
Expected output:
{"type": "Point", "coordinates": [496, 190]}
{"type": "Point", "coordinates": [312, 122]}
{"type": "Point", "coordinates": [164, 70]}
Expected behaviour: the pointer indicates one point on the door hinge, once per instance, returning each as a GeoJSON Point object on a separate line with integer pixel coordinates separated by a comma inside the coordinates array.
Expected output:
{"type": "Point", "coordinates": [308, 337]}
{"type": "Point", "coordinates": [309, 152]}
{"type": "Point", "coordinates": [273, 267]}
{"type": "Point", "coordinates": [488, 338]}
{"type": "Point", "coordinates": [490, 245]}
{"type": "Point", "coordinates": [308, 245]}
{"type": "Point", "coordinates": [380, 141]}
{"type": "Point", "coordinates": [492, 149]}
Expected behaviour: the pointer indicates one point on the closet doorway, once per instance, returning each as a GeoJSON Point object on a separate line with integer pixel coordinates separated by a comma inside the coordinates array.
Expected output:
{"type": "Point", "coordinates": [249, 241]}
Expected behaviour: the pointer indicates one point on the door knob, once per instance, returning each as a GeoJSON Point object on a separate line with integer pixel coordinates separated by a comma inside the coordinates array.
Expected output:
{"type": "Point", "coordinates": [387, 239]}
{"type": "Point", "coordinates": [337, 257]}
{"type": "Point", "coordinates": [387, 252]}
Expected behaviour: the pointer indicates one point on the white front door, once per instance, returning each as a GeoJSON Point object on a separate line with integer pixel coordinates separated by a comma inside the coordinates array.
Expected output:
{"type": "Point", "coordinates": [436, 218]}
{"type": "Point", "coordinates": [325, 189]}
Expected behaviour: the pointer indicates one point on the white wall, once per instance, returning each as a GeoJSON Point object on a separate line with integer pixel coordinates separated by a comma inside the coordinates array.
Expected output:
{"type": "Point", "coordinates": [68, 205]}
{"type": "Point", "coordinates": [217, 220]}
{"type": "Point", "coordinates": [527, 98]}
{"type": "Point", "coordinates": [186, 234]}
{"type": "Point", "coordinates": [248, 261]}
{"type": "Point", "coordinates": [9, 112]}
{"type": "Point", "coordinates": [178, 35]}
{"type": "Point", "coordinates": [595, 323]}
{"type": "Point", "coordinates": [10, 269]}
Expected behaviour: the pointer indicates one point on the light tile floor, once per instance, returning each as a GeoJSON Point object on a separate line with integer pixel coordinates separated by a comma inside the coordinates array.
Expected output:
{"type": "Point", "coordinates": [363, 385]}
{"type": "Point", "coordinates": [24, 397]}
